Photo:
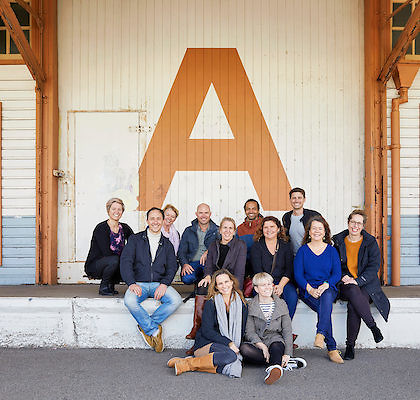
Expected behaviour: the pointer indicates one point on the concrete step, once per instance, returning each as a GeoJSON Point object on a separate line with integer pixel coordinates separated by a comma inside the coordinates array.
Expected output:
{"type": "Point", "coordinates": [106, 323]}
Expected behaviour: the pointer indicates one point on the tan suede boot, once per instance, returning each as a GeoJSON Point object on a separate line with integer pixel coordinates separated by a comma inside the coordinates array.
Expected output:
{"type": "Point", "coordinates": [204, 364]}
{"type": "Point", "coordinates": [173, 360]}
{"type": "Point", "coordinates": [319, 341]}
{"type": "Point", "coordinates": [335, 357]}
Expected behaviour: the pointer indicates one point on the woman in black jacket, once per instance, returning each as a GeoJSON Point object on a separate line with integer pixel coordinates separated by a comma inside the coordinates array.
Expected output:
{"type": "Point", "coordinates": [108, 240]}
{"type": "Point", "coordinates": [360, 261]}
{"type": "Point", "coordinates": [229, 253]}
{"type": "Point", "coordinates": [272, 253]}
{"type": "Point", "coordinates": [217, 342]}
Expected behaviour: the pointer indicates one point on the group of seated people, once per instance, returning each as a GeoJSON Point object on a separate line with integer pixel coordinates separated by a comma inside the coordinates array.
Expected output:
{"type": "Point", "coordinates": [276, 264]}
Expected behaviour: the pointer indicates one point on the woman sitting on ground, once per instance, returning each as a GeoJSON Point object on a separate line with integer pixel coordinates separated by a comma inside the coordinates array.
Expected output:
{"type": "Point", "coordinates": [168, 230]}
{"type": "Point", "coordinates": [217, 342]}
{"type": "Point", "coordinates": [317, 272]}
{"type": "Point", "coordinates": [273, 254]}
{"type": "Point", "coordinates": [108, 240]}
{"type": "Point", "coordinates": [268, 332]}
{"type": "Point", "coordinates": [229, 253]}
{"type": "Point", "coordinates": [360, 285]}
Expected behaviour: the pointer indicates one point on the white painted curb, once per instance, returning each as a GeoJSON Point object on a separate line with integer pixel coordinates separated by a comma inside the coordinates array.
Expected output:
{"type": "Point", "coordinates": [106, 323]}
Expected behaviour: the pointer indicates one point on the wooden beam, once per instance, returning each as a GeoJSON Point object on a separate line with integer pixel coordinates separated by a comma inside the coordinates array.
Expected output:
{"type": "Point", "coordinates": [47, 106]}
{"type": "Point", "coordinates": [375, 118]}
{"type": "Point", "coordinates": [16, 32]}
{"type": "Point", "coordinates": [31, 11]}
{"type": "Point", "coordinates": [1, 186]}
{"type": "Point", "coordinates": [409, 33]}
{"type": "Point", "coordinates": [394, 13]}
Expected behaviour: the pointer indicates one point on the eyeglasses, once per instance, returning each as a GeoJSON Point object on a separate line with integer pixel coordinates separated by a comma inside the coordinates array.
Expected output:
{"type": "Point", "coordinates": [355, 223]}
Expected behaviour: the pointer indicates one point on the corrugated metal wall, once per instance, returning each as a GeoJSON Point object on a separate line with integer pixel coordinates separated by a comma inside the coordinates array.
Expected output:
{"type": "Point", "coordinates": [17, 94]}
{"type": "Point", "coordinates": [410, 182]}
{"type": "Point", "coordinates": [304, 62]}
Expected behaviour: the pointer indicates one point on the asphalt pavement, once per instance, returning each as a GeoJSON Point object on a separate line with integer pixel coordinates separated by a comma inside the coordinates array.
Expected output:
{"type": "Point", "coordinates": [85, 374]}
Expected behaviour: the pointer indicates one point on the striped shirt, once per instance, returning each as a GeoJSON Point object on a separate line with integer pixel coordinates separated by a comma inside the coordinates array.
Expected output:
{"type": "Point", "coordinates": [267, 310]}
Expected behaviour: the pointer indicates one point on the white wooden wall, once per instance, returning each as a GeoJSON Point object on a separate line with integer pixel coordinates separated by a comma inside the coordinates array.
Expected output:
{"type": "Point", "coordinates": [304, 60]}
{"type": "Point", "coordinates": [17, 94]}
{"type": "Point", "coordinates": [410, 181]}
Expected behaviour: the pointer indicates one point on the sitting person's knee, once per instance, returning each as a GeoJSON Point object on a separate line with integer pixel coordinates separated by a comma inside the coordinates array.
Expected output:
{"type": "Point", "coordinates": [188, 279]}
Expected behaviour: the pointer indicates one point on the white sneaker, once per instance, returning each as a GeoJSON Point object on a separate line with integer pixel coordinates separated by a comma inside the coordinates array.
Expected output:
{"type": "Point", "coordinates": [295, 363]}
{"type": "Point", "coordinates": [274, 373]}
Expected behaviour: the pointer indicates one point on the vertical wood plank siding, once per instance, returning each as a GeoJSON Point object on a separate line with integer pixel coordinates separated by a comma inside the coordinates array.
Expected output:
{"type": "Point", "coordinates": [304, 61]}
{"type": "Point", "coordinates": [17, 94]}
{"type": "Point", "coordinates": [410, 182]}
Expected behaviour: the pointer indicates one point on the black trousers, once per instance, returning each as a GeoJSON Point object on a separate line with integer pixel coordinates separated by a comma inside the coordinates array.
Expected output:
{"type": "Point", "coordinates": [108, 269]}
{"type": "Point", "coordinates": [252, 354]}
{"type": "Point", "coordinates": [358, 308]}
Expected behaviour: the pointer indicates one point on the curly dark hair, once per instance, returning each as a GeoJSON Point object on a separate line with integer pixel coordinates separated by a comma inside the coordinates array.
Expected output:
{"type": "Point", "coordinates": [317, 218]}
{"type": "Point", "coordinates": [281, 235]}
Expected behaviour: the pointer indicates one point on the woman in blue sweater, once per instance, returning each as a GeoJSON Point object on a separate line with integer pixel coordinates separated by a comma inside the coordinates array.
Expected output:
{"type": "Point", "coordinates": [317, 272]}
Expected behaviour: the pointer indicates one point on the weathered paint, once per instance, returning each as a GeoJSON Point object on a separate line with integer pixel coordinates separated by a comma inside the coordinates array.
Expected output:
{"type": "Point", "coordinates": [304, 62]}
{"type": "Point", "coordinates": [410, 182]}
{"type": "Point", "coordinates": [106, 323]}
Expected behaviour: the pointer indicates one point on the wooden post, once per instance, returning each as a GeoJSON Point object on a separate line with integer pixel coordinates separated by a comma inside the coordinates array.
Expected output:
{"type": "Point", "coordinates": [1, 186]}
{"type": "Point", "coordinates": [375, 13]}
{"type": "Point", "coordinates": [48, 152]}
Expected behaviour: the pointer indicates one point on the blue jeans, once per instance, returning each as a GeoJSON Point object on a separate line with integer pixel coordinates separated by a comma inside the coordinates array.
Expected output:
{"type": "Point", "coordinates": [323, 307]}
{"type": "Point", "coordinates": [290, 296]}
{"type": "Point", "coordinates": [170, 301]}
{"type": "Point", "coordinates": [196, 275]}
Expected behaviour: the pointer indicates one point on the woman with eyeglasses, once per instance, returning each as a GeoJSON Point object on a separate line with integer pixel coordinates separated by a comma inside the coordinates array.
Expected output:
{"type": "Point", "coordinates": [360, 261]}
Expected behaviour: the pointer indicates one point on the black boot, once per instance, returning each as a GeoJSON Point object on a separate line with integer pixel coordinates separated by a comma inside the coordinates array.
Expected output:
{"type": "Point", "coordinates": [377, 334]}
{"type": "Point", "coordinates": [104, 290]}
{"type": "Point", "coordinates": [349, 354]}
{"type": "Point", "coordinates": [111, 287]}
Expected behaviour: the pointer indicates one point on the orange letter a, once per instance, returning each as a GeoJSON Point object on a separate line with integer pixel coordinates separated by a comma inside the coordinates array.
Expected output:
{"type": "Point", "coordinates": [252, 150]}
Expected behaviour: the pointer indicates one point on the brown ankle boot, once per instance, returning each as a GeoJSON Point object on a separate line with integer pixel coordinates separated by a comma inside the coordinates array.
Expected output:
{"type": "Point", "coordinates": [204, 364]}
{"type": "Point", "coordinates": [198, 312]}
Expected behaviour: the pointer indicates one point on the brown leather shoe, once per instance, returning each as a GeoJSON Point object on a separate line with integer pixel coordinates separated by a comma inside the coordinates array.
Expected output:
{"type": "Point", "coordinates": [319, 341]}
{"type": "Point", "coordinates": [335, 357]}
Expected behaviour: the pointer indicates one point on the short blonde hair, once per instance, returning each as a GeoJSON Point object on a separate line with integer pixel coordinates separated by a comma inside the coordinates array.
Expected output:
{"type": "Point", "coordinates": [261, 277]}
{"type": "Point", "coordinates": [171, 207]}
{"type": "Point", "coordinates": [227, 219]}
{"type": "Point", "coordinates": [114, 200]}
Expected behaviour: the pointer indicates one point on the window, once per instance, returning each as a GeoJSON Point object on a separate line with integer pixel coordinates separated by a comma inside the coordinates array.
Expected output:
{"type": "Point", "coordinates": [8, 48]}
{"type": "Point", "coordinates": [399, 21]}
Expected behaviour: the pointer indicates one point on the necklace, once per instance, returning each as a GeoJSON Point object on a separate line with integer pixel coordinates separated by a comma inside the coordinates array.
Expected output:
{"type": "Point", "coordinates": [352, 240]}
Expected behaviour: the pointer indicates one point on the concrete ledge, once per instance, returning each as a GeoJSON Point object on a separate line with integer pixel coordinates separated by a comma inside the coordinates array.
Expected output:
{"type": "Point", "coordinates": [106, 323]}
